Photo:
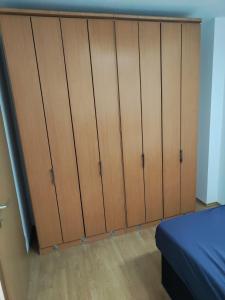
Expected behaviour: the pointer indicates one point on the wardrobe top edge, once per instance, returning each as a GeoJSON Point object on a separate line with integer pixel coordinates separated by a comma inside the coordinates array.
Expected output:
{"type": "Point", "coordinates": [51, 13]}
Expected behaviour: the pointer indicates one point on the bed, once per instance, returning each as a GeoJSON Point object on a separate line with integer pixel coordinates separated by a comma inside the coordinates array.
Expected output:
{"type": "Point", "coordinates": [193, 255]}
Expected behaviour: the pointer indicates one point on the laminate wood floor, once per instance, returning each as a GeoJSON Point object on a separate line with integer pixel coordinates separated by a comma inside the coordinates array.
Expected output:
{"type": "Point", "coordinates": [121, 267]}
{"type": "Point", "coordinates": [125, 267]}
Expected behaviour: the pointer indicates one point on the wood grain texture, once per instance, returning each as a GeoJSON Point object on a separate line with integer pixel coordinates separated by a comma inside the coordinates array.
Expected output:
{"type": "Point", "coordinates": [50, 59]}
{"type": "Point", "coordinates": [21, 63]}
{"type": "Point", "coordinates": [150, 66]}
{"type": "Point", "coordinates": [103, 55]}
{"type": "Point", "coordinates": [77, 56]}
{"type": "Point", "coordinates": [129, 87]}
{"type": "Point", "coordinates": [125, 267]}
{"type": "Point", "coordinates": [74, 14]}
{"type": "Point", "coordinates": [171, 72]}
{"type": "Point", "coordinates": [189, 113]}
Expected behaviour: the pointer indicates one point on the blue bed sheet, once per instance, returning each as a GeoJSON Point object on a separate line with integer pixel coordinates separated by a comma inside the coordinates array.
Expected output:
{"type": "Point", "coordinates": [194, 245]}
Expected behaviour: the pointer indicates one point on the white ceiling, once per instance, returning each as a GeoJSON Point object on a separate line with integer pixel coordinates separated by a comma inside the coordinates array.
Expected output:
{"type": "Point", "coordinates": [191, 8]}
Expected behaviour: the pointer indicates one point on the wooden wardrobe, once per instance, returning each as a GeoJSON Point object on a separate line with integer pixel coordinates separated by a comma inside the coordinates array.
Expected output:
{"type": "Point", "coordinates": [106, 109]}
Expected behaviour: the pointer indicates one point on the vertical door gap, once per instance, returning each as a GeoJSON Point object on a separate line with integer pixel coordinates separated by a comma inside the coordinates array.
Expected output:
{"type": "Point", "coordinates": [74, 140]}
{"type": "Point", "coordinates": [180, 114]}
{"type": "Point", "coordinates": [142, 138]}
{"type": "Point", "coordinates": [92, 77]}
{"type": "Point", "coordinates": [120, 126]}
{"type": "Point", "coordinates": [161, 76]}
{"type": "Point", "coordinates": [43, 105]}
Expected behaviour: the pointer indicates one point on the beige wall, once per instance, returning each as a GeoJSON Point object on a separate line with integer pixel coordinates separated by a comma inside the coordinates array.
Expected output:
{"type": "Point", "coordinates": [13, 257]}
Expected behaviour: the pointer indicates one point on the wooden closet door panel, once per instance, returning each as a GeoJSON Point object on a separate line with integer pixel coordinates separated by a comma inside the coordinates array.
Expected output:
{"type": "Point", "coordinates": [129, 88]}
{"type": "Point", "coordinates": [48, 43]}
{"type": "Point", "coordinates": [150, 65]}
{"type": "Point", "coordinates": [189, 113]}
{"type": "Point", "coordinates": [77, 56]}
{"type": "Point", "coordinates": [103, 54]}
{"type": "Point", "coordinates": [171, 72]}
{"type": "Point", "coordinates": [22, 67]}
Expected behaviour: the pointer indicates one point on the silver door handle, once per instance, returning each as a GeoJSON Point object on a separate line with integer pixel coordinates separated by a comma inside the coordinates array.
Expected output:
{"type": "Point", "coordinates": [3, 206]}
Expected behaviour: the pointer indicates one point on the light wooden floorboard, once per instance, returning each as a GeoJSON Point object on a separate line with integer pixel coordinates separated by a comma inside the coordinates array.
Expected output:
{"type": "Point", "coordinates": [125, 267]}
{"type": "Point", "coordinates": [120, 267]}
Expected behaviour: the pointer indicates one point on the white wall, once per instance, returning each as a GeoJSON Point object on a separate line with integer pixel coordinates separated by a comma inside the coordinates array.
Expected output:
{"type": "Point", "coordinates": [211, 154]}
{"type": "Point", "coordinates": [221, 187]}
{"type": "Point", "coordinates": [206, 68]}
{"type": "Point", "coordinates": [216, 120]}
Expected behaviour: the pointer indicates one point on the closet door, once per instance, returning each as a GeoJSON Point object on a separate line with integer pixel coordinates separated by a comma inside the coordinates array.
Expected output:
{"type": "Point", "coordinates": [103, 55]}
{"type": "Point", "coordinates": [20, 55]}
{"type": "Point", "coordinates": [171, 71]}
{"type": "Point", "coordinates": [189, 112]}
{"type": "Point", "coordinates": [130, 102]}
{"type": "Point", "coordinates": [150, 66]}
{"type": "Point", "coordinates": [78, 65]}
{"type": "Point", "coordinates": [48, 43]}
